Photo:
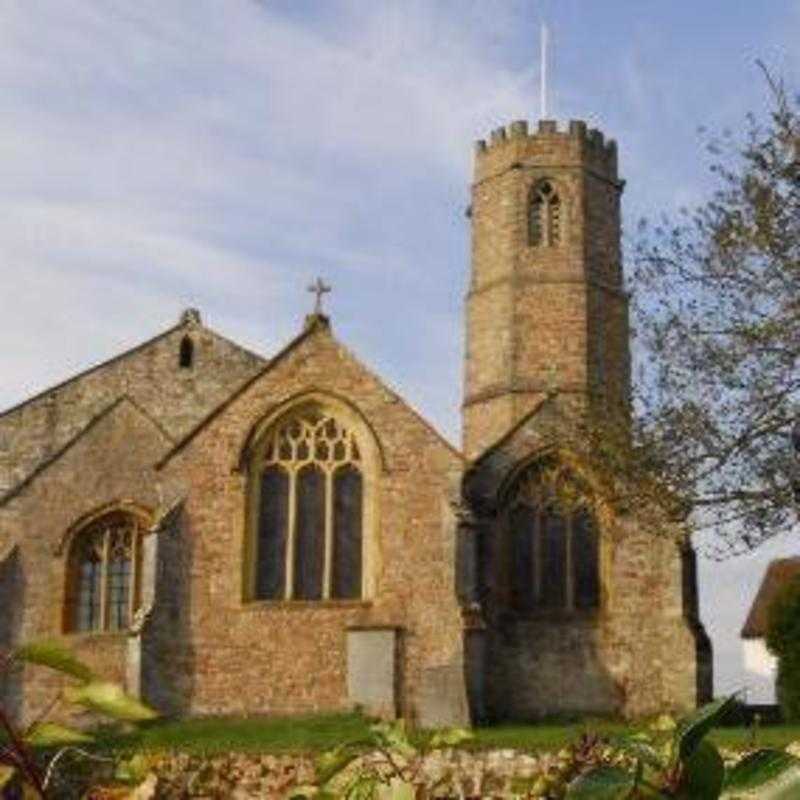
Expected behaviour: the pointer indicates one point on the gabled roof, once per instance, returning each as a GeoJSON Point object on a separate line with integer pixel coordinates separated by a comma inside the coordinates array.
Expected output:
{"type": "Point", "coordinates": [778, 574]}
{"type": "Point", "coordinates": [53, 457]}
{"type": "Point", "coordinates": [121, 356]}
{"type": "Point", "coordinates": [487, 452]}
{"type": "Point", "coordinates": [314, 323]}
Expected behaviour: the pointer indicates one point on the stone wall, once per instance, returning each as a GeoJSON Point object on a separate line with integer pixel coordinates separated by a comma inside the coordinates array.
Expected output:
{"type": "Point", "coordinates": [90, 444]}
{"type": "Point", "coordinates": [291, 655]}
{"type": "Point", "coordinates": [39, 428]}
{"type": "Point", "coordinates": [101, 470]}
{"type": "Point", "coordinates": [642, 650]}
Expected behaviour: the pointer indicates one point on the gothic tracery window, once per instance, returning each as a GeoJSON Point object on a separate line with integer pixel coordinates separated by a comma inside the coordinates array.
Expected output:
{"type": "Point", "coordinates": [544, 216]}
{"type": "Point", "coordinates": [554, 548]}
{"type": "Point", "coordinates": [309, 536]}
{"type": "Point", "coordinates": [103, 574]}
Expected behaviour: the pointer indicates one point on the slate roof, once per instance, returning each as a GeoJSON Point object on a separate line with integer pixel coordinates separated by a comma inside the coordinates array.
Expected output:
{"type": "Point", "coordinates": [778, 574]}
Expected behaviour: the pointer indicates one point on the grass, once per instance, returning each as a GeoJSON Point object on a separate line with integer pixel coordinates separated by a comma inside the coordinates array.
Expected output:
{"type": "Point", "coordinates": [210, 736]}
{"type": "Point", "coordinates": [740, 738]}
{"type": "Point", "coordinates": [314, 734]}
{"type": "Point", "coordinates": [543, 735]}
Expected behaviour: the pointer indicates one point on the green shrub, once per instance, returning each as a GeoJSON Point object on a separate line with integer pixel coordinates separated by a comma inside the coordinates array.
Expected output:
{"type": "Point", "coordinates": [783, 641]}
{"type": "Point", "coordinates": [18, 757]}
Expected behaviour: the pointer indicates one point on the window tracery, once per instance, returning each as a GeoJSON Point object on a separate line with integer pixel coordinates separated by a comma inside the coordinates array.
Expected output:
{"type": "Point", "coordinates": [309, 540]}
{"type": "Point", "coordinates": [103, 574]}
{"type": "Point", "coordinates": [554, 544]}
{"type": "Point", "coordinates": [544, 216]}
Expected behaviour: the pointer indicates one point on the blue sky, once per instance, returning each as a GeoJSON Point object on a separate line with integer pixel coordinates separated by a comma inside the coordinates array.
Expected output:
{"type": "Point", "coordinates": [222, 153]}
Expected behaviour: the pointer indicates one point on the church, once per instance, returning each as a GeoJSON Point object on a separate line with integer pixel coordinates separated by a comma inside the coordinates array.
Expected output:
{"type": "Point", "coordinates": [230, 533]}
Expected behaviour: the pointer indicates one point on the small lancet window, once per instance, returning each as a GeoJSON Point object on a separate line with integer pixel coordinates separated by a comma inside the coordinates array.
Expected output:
{"type": "Point", "coordinates": [544, 216]}
{"type": "Point", "coordinates": [186, 354]}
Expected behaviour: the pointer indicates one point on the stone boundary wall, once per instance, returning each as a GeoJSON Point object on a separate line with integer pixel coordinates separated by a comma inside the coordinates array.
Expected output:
{"type": "Point", "coordinates": [236, 776]}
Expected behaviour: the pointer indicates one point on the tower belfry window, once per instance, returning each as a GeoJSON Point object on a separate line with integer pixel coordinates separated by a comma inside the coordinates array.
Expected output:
{"type": "Point", "coordinates": [544, 216]}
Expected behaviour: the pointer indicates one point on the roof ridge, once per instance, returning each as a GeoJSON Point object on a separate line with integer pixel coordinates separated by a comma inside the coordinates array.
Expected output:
{"type": "Point", "coordinates": [18, 487]}
{"type": "Point", "coordinates": [316, 323]}
{"type": "Point", "coordinates": [427, 423]}
{"type": "Point", "coordinates": [518, 425]}
{"type": "Point", "coordinates": [124, 354]}
{"type": "Point", "coordinates": [186, 438]}
{"type": "Point", "coordinates": [776, 575]}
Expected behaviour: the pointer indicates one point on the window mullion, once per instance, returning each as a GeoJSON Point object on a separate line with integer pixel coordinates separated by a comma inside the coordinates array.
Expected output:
{"type": "Point", "coordinates": [104, 577]}
{"type": "Point", "coordinates": [327, 570]}
{"type": "Point", "coordinates": [291, 534]}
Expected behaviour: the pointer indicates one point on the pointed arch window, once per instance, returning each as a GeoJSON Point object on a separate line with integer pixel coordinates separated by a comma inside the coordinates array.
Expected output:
{"type": "Point", "coordinates": [103, 567]}
{"type": "Point", "coordinates": [553, 544]}
{"type": "Point", "coordinates": [544, 216]}
{"type": "Point", "coordinates": [309, 507]}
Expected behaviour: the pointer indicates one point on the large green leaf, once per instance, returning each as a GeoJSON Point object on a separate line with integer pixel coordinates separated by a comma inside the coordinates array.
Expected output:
{"type": "Point", "coordinates": [6, 774]}
{"type": "Point", "coordinates": [692, 729]}
{"type": "Point", "coordinates": [765, 774]}
{"type": "Point", "coordinates": [109, 699]}
{"type": "Point", "coordinates": [48, 734]}
{"type": "Point", "coordinates": [602, 783]}
{"type": "Point", "coordinates": [704, 772]}
{"type": "Point", "coordinates": [54, 655]}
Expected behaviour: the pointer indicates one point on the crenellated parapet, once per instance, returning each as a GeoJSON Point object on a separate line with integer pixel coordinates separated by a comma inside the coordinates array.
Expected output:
{"type": "Point", "coordinates": [516, 146]}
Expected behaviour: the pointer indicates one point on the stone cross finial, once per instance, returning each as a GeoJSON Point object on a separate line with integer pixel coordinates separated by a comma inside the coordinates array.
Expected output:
{"type": "Point", "coordinates": [319, 288]}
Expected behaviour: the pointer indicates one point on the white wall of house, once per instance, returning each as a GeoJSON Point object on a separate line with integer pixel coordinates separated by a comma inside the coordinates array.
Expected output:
{"type": "Point", "coordinates": [760, 668]}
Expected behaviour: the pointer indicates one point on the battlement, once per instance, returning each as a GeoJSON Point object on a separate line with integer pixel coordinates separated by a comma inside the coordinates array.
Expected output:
{"type": "Point", "coordinates": [548, 145]}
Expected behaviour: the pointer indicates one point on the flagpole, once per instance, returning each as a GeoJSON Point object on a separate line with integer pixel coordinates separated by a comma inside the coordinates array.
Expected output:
{"type": "Point", "coordinates": [543, 72]}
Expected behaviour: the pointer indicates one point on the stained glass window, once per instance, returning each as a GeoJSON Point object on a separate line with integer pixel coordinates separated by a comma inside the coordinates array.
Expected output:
{"type": "Point", "coordinates": [309, 549]}
{"type": "Point", "coordinates": [586, 557]}
{"type": "Point", "coordinates": [273, 519]}
{"type": "Point", "coordinates": [311, 510]}
{"type": "Point", "coordinates": [523, 577]}
{"type": "Point", "coordinates": [553, 545]}
{"type": "Point", "coordinates": [347, 544]}
{"type": "Point", "coordinates": [102, 582]}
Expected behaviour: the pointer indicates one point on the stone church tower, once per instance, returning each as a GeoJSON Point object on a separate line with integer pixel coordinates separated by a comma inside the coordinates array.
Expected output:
{"type": "Point", "coordinates": [546, 307]}
{"type": "Point", "coordinates": [570, 605]}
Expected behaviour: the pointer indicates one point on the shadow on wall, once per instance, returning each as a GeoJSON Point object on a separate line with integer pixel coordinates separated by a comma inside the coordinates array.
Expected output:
{"type": "Point", "coordinates": [167, 652]}
{"type": "Point", "coordinates": [12, 601]}
{"type": "Point", "coordinates": [704, 653]}
{"type": "Point", "coordinates": [545, 667]}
